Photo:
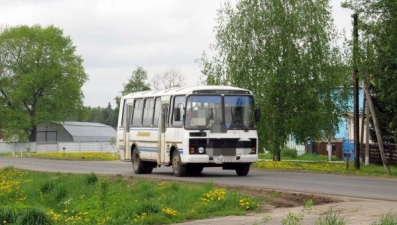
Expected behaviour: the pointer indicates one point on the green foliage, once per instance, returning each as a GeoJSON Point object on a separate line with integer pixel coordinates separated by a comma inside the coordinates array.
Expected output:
{"type": "Point", "coordinates": [137, 81]}
{"type": "Point", "coordinates": [331, 218]}
{"type": "Point", "coordinates": [291, 62]}
{"type": "Point", "coordinates": [388, 219]}
{"type": "Point", "coordinates": [378, 53]}
{"type": "Point", "coordinates": [41, 78]}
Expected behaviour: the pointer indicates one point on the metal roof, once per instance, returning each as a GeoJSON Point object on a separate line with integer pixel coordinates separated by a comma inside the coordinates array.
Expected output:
{"type": "Point", "coordinates": [84, 131]}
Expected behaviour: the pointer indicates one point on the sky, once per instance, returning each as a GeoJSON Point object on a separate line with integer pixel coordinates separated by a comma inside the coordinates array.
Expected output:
{"type": "Point", "coordinates": [115, 36]}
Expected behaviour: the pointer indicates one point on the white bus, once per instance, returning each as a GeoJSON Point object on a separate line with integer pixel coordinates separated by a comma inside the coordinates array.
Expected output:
{"type": "Point", "coordinates": [189, 128]}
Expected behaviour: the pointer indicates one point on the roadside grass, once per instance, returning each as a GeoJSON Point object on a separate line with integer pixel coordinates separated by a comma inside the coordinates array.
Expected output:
{"type": "Point", "coordinates": [286, 155]}
{"type": "Point", "coordinates": [94, 156]}
{"type": "Point", "coordinates": [320, 163]}
{"type": "Point", "coordinates": [58, 198]}
{"type": "Point", "coordinates": [325, 167]}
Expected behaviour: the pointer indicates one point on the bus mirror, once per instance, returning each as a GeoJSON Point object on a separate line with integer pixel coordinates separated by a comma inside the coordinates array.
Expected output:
{"type": "Point", "coordinates": [257, 115]}
{"type": "Point", "coordinates": [177, 114]}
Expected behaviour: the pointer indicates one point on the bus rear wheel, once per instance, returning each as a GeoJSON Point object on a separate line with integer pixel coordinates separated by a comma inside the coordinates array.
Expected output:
{"type": "Point", "coordinates": [138, 165]}
{"type": "Point", "coordinates": [243, 169]}
{"type": "Point", "coordinates": [177, 167]}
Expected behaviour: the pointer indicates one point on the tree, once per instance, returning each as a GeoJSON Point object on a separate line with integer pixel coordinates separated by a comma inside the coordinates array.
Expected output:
{"type": "Point", "coordinates": [378, 38]}
{"type": "Point", "coordinates": [290, 60]}
{"type": "Point", "coordinates": [168, 79]}
{"type": "Point", "coordinates": [40, 77]}
{"type": "Point", "coordinates": [137, 81]}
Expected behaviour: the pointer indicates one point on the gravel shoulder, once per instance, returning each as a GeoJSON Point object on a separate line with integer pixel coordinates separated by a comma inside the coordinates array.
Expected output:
{"type": "Point", "coordinates": [354, 211]}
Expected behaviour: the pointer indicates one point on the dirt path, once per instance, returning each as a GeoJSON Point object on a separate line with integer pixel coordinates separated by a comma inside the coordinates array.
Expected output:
{"type": "Point", "coordinates": [354, 211]}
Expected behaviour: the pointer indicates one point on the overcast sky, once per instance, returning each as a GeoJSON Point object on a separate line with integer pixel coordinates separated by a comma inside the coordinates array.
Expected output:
{"type": "Point", "coordinates": [115, 36]}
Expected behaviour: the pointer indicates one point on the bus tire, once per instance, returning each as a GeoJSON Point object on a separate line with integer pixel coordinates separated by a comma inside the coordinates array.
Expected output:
{"type": "Point", "coordinates": [138, 165]}
{"type": "Point", "coordinates": [243, 169]}
{"type": "Point", "coordinates": [178, 169]}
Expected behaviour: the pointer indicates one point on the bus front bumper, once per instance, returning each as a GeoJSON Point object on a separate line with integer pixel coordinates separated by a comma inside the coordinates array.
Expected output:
{"type": "Point", "coordinates": [186, 159]}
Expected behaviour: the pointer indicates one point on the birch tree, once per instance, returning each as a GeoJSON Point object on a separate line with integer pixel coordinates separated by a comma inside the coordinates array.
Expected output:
{"type": "Point", "coordinates": [286, 52]}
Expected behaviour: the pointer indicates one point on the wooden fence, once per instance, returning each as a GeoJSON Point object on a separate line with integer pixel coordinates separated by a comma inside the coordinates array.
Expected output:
{"type": "Point", "coordinates": [374, 152]}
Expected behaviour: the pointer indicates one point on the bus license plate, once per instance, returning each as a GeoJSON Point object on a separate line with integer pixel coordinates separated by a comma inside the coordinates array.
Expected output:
{"type": "Point", "coordinates": [224, 160]}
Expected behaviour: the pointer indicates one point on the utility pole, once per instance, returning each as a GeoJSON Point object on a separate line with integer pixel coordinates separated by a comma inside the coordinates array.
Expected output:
{"type": "Point", "coordinates": [355, 90]}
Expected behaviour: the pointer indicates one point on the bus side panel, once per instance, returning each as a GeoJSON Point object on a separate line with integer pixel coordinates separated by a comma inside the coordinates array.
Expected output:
{"type": "Point", "coordinates": [146, 141]}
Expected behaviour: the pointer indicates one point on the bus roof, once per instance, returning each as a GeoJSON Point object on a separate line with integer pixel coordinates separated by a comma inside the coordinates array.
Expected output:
{"type": "Point", "coordinates": [183, 91]}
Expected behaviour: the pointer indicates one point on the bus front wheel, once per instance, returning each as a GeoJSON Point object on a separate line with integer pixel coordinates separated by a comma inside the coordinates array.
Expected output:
{"type": "Point", "coordinates": [243, 169]}
{"type": "Point", "coordinates": [177, 167]}
{"type": "Point", "coordinates": [138, 165]}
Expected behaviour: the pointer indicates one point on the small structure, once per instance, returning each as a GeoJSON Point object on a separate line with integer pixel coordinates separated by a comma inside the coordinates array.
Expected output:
{"type": "Point", "coordinates": [74, 132]}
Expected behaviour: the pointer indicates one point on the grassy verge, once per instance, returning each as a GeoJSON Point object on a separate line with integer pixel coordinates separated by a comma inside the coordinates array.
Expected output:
{"type": "Point", "coordinates": [94, 156]}
{"type": "Point", "coordinates": [315, 163]}
{"type": "Point", "coordinates": [88, 199]}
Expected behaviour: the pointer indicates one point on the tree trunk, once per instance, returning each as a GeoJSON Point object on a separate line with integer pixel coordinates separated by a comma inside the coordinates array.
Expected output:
{"type": "Point", "coordinates": [33, 134]}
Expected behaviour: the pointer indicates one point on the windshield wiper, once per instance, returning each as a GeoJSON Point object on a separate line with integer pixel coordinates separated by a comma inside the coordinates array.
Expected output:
{"type": "Point", "coordinates": [239, 123]}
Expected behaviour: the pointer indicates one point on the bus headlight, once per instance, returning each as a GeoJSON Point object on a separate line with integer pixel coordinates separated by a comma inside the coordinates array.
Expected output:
{"type": "Point", "coordinates": [201, 150]}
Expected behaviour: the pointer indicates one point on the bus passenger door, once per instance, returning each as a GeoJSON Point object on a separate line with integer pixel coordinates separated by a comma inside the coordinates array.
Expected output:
{"type": "Point", "coordinates": [162, 134]}
{"type": "Point", "coordinates": [127, 147]}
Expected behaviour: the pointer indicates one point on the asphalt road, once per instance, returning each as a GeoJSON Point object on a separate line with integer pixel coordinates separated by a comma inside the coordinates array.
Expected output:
{"type": "Point", "coordinates": [336, 185]}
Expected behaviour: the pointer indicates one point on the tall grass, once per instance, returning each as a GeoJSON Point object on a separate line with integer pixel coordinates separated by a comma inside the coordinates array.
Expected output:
{"type": "Point", "coordinates": [88, 199]}
{"type": "Point", "coordinates": [331, 218]}
{"type": "Point", "coordinates": [388, 219]}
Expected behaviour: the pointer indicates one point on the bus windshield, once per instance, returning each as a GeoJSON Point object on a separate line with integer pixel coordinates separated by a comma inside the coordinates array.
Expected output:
{"type": "Point", "coordinates": [235, 112]}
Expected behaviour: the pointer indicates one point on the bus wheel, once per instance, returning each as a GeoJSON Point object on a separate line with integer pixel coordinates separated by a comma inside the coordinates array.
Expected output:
{"type": "Point", "coordinates": [177, 167]}
{"type": "Point", "coordinates": [138, 165]}
{"type": "Point", "coordinates": [193, 169]}
{"type": "Point", "coordinates": [243, 169]}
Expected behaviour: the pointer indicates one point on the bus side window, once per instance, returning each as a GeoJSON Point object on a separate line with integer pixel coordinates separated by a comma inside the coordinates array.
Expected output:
{"type": "Point", "coordinates": [179, 102]}
{"type": "Point", "coordinates": [137, 114]}
{"type": "Point", "coordinates": [156, 116]}
{"type": "Point", "coordinates": [148, 112]}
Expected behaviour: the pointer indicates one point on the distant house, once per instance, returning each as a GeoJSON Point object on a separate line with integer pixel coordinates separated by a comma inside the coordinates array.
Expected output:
{"type": "Point", "coordinates": [74, 132]}
{"type": "Point", "coordinates": [345, 132]}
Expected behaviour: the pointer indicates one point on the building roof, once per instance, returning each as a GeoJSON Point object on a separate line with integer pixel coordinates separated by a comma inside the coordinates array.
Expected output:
{"type": "Point", "coordinates": [84, 131]}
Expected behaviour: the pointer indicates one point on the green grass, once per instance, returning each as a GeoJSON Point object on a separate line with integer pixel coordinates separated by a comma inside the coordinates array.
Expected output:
{"type": "Point", "coordinates": [56, 198]}
{"type": "Point", "coordinates": [325, 167]}
{"type": "Point", "coordinates": [94, 156]}
{"type": "Point", "coordinates": [388, 219]}
{"type": "Point", "coordinates": [303, 157]}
